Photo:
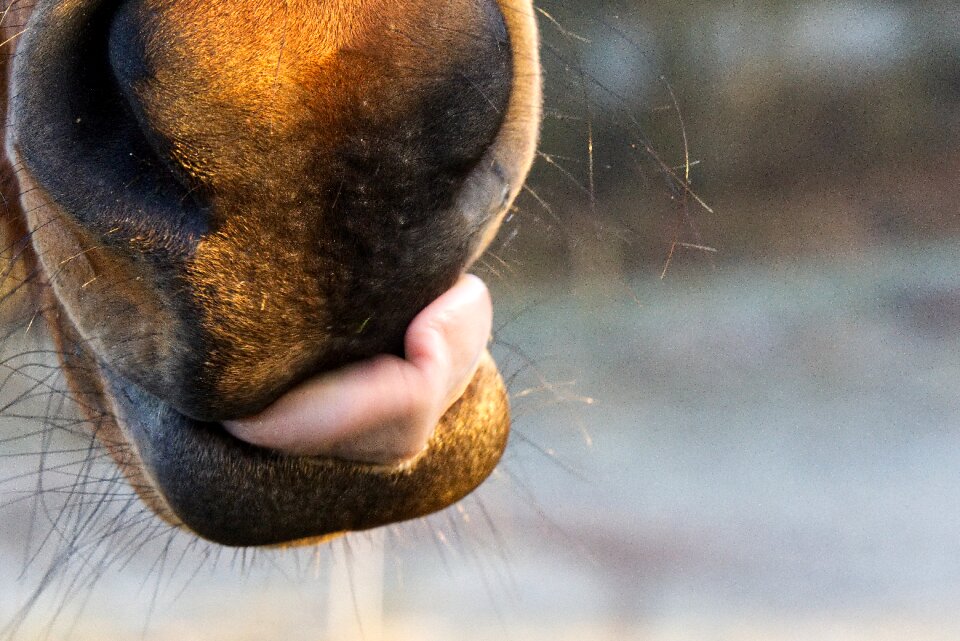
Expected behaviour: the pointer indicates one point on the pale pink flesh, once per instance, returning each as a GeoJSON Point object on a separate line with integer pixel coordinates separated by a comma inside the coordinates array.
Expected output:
{"type": "Point", "coordinates": [385, 409]}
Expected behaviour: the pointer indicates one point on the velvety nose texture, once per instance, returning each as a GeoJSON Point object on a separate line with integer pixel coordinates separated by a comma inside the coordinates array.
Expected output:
{"type": "Point", "coordinates": [238, 94]}
{"type": "Point", "coordinates": [232, 196]}
{"type": "Point", "coordinates": [339, 132]}
{"type": "Point", "coordinates": [281, 177]}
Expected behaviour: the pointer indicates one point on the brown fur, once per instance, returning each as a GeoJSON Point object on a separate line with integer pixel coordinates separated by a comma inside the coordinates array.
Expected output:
{"type": "Point", "coordinates": [224, 199]}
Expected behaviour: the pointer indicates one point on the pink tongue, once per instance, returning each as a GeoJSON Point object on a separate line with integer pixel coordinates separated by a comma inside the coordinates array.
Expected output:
{"type": "Point", "coordinates": [385, 409]}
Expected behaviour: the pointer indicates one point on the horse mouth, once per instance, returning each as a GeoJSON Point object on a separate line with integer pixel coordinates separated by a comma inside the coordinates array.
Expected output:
{"type": "Point", "coordinates": [198, 477]}
{"type": "Point", "coordinates": [158, 291]}
{"type": "Point", "coordinates": [207, 498]}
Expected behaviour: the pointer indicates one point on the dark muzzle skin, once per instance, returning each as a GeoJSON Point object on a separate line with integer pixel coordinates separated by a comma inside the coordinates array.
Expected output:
{"type": "Point", "coordinates": [227, 198]}
{"type": "Point", "coordinates": [263, 179]}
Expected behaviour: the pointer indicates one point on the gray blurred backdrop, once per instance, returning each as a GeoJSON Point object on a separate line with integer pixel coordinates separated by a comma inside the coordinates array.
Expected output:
{"type": "Point", "coordinates": [736, 403]}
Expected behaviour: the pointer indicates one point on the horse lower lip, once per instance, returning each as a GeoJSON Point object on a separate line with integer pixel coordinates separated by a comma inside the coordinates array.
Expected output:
{"type": "Point", "coordinates": [238, 494]}
{"type": "Point", "coordinates": [209, 498]}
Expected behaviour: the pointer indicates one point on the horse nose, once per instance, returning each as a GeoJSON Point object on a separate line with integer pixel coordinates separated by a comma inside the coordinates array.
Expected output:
{"type": "Point", "coordinates": [394, 101]}
{"type": "Point", "coordinates": [327, 144]}
{"type": "Point", "coordinates": [286, 180]}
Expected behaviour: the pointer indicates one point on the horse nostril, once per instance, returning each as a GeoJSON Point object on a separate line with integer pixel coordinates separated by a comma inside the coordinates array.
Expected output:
{"type": "Point", "coordinates": [75, 132]}
{"type": "Point", "coordinates": [325, 172]}
{"type": "Point", "coordinates": [135, 73]}
{"type": "Point", "coordinates": [237, 99]}
{"type": "Point", "coordinates": [126, 48]}
{"type": "Point", "coordinates": [506, 190]}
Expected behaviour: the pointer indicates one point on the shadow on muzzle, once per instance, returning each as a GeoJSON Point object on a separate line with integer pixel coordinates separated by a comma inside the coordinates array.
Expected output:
{"type": "Point", "coordinates": [229, 198]}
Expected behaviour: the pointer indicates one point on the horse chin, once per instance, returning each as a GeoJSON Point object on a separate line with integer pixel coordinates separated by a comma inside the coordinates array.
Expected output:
{"type": "Point", "coordinates": [197, 477]}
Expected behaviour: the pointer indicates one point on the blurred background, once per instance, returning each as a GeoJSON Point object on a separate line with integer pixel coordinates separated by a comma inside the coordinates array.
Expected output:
{"type": "Point", "coordinates": [813, 128]}
{"type": "Point", "coordinates": [728, 306]}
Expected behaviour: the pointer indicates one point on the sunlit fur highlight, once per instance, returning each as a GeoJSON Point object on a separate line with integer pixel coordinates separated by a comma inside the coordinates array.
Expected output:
{"type": "Point", "coordinates": [76, 279]}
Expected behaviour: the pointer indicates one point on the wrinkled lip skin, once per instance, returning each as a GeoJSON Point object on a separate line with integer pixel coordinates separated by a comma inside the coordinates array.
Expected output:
{"type": "Point", "coordinates": [199, 465]}
{"type": "Point", "coordinates": [165, 440]}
